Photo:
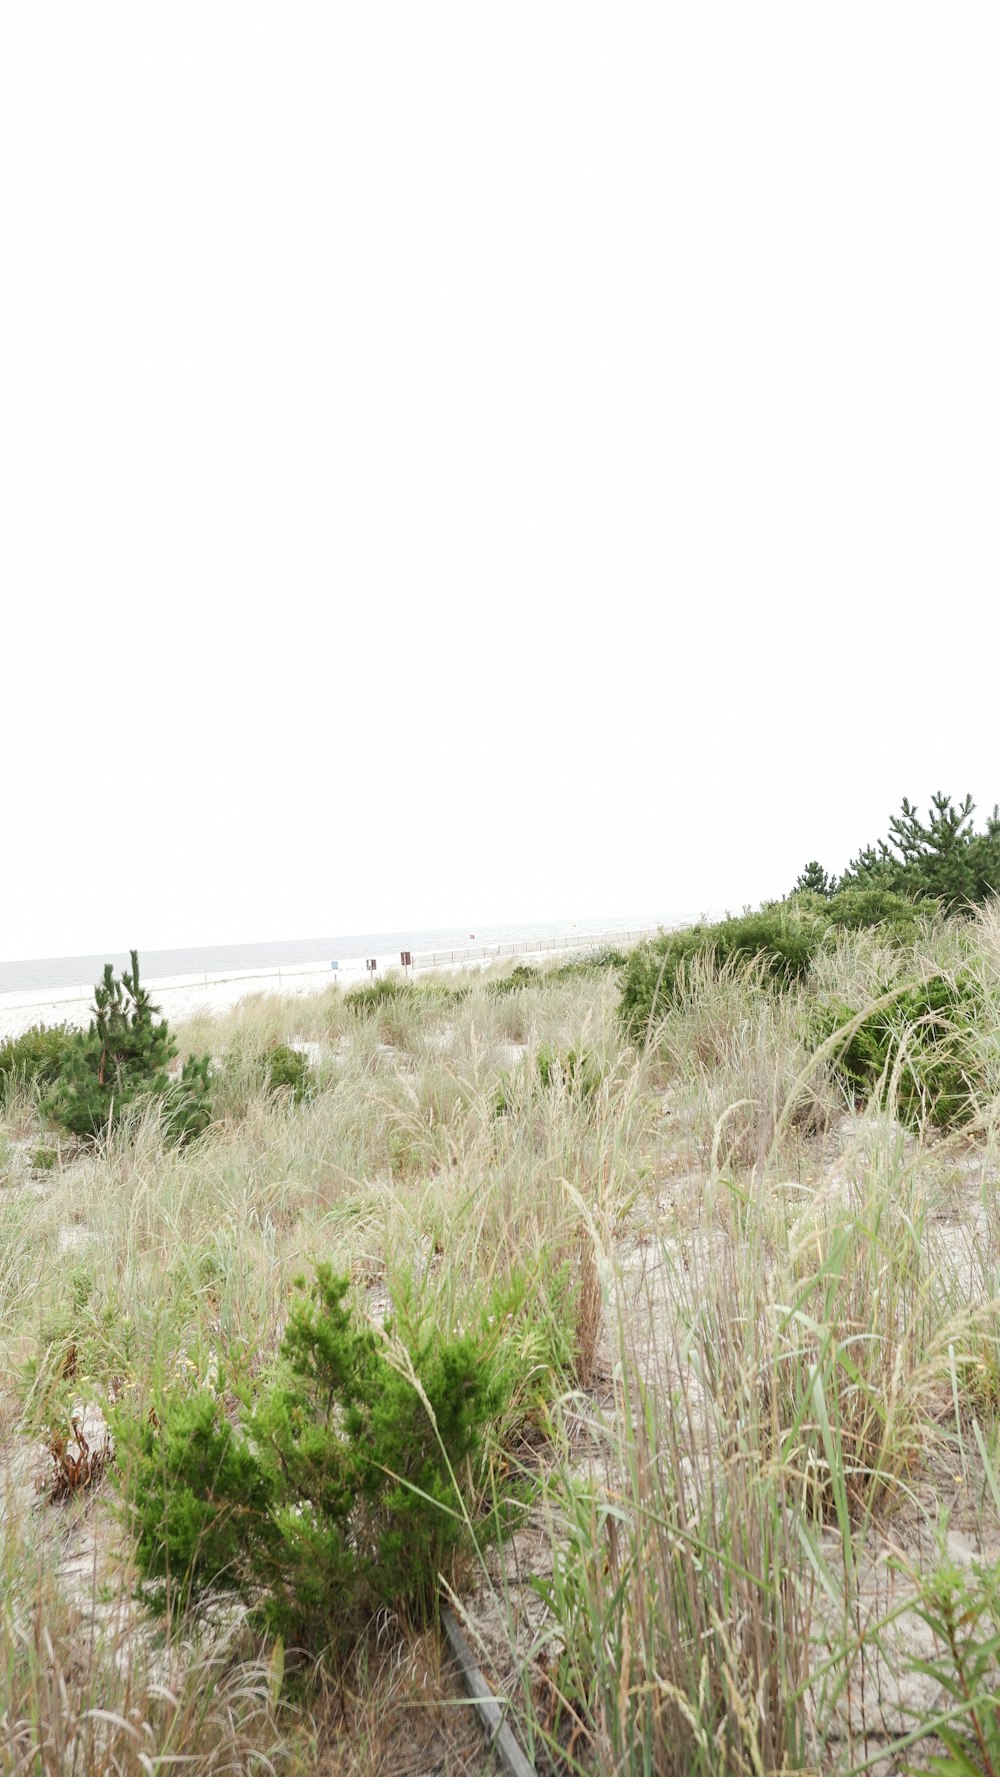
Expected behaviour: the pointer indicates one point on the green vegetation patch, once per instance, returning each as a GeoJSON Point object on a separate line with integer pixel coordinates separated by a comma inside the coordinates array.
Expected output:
{"type": "Point", "coordinates": [376, 995]}
{"type": "Point", "coordinates": [37, 1054]}
{"type": "Point", "coordinates": [124, 1057]}
{"type": "Point", "coordinates": [941, 858]}
{"type": "Point", "coordinates": [288, 1070]}
{"type": "Point", "coordinates": [348, 1482]}
{"type": "Point", "coordinates": [784, 937]}
{"type": "Point", "coordinates": [522, 975]}
{"type": "Point", "coordinates": [576, 1073]}
{"type": "Point", "coordinates": [858, 909]}
{"type": "Point", "coordinates": [920, 1051]}
{"type": "Point", "coordinates": [592, 962]}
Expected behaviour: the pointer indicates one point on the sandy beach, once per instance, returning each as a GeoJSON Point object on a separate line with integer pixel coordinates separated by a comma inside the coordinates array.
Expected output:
{"type": "Point", "coordinates": [178, 997]}
{"type": "Point", "coordinates": [181, 996]}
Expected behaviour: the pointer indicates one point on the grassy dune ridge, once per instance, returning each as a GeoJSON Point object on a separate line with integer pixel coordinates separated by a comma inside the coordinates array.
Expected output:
{"type": "Point", "coordinates": [750, 1478]}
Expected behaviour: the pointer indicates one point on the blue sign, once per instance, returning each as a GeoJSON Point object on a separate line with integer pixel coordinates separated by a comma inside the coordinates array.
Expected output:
{"type": "Point", "coordinates": [335, 965]}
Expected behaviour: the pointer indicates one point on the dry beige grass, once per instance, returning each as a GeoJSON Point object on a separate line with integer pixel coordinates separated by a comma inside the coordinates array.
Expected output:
{"type": "Point", "coordinates": [782, 1335]}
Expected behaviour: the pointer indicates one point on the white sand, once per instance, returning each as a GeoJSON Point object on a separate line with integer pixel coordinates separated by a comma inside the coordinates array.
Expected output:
{"type": "Point", "coordinates": [179, 996]}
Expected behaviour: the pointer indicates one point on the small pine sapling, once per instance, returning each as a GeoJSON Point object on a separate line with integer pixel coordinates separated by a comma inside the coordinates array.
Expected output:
{"type": "Point", "coordinates": [125, 1055]}
{"type": "Point", "coordinates": [347, 1483]}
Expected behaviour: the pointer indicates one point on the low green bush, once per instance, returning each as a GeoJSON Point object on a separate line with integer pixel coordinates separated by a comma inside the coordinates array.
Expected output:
{"type": "Point", "coordinates": [521, 975]}
{"type": "Point", "coordinates": [592, 962]}
{"type": "Point", "coordinates": [855, 909]}
{"type": "Point", "coordinates": [438, 995]}
{"type": "Point", "coordinates": [375, 995]}
{"type": "Point", "coordinates": [785, 937]}
{"type": "Point", "coordinates": [250, 1069]}
{"type": "Point", "coordinates": [288, 1068]}
{"type": "Point", "coordinates": [37, 1054]}
{"type": "Point", "coordinates": [345, 1485]}
{"type": "Point", "coordinates": [930, 1031]}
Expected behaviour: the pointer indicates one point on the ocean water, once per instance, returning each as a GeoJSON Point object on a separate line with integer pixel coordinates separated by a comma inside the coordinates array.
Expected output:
{"type": "Point", "coordinates": [216, 959]}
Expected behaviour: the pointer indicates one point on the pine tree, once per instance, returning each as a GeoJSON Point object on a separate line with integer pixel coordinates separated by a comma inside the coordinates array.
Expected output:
{"type": "Point", "coordinates": [936, 854]}
{"type": "Point", "coordinates": [985, 848]}
{"type": "Point", "coordinates": [815, 879]}
{"type": "Point", "coordinates": [941, 858]}
{"type": "Point", "coordinates": [123, 1055]}
{"type": "Point", "coordinates": [876, 867]}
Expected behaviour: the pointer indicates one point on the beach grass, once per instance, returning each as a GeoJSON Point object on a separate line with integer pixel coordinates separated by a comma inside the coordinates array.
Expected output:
{"type": "Point", "coordinates": [757, 1430]}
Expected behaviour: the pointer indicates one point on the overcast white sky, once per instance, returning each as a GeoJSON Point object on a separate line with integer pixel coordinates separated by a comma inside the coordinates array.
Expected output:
{"type": "Point", "coordinates": [468, 463]}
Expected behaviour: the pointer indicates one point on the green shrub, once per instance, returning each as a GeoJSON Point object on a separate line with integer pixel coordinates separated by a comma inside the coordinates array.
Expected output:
{"type": "Point", "coordinates": [521, 975]}
{"type": "Point", "coordinates": [592, 962]}
{"type": "Point", "coordinates": [785, 937]}
{"type": "Point", "coordinates": [121, 1058]}
{"type": "Point", "coordinates": [344, 1485]}
{"type": "Point", "coordinates": [607, 957]}
{"type": "Point", "coordinates": [854, 909]}
{"type": "Point", "coordinates": [288, 1067]}
{"type": "Point", "coordinates": [194, 1489]}
{"type": "Point", "coordinates": [373, 996]}
{"type": "Point", "coordinates": [438, 994]}
{"type": "Point", "coordinates": [930, 1030]}
{"type": "Point", "coordinates": [37, 1054]}
{"type": "Point", "coordinates": [250, 1069]}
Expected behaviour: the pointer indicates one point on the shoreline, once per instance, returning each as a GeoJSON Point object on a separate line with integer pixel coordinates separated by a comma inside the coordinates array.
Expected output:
{"type": "Point", "coordinates": [216, 993]}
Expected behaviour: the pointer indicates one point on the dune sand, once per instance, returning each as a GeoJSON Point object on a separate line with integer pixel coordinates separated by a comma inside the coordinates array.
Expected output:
{"type": "Point", "coordinates": [179, 996]}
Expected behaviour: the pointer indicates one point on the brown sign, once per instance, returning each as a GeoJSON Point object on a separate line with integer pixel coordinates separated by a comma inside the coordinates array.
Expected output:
{"type": "Point", "coordinates": [371, 962]}
{"type": "Point", "coordinates": [406, 958]}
